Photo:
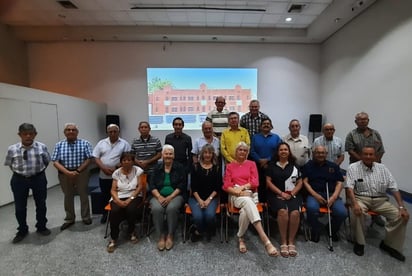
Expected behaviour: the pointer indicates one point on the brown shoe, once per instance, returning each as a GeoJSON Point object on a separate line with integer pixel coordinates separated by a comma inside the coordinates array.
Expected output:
{"type": "Point", "coordinates": [169, 243]}
{"type": "Point", "coordinates": [161, 244]}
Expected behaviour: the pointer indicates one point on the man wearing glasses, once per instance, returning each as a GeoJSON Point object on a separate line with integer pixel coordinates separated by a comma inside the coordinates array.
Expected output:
{"type": "Point", "coordinates": [28, 160]}
{"type": "Point", "coordinates": [333, 144]}
{"type": "Point", "coordinates": [219, 117]}
{"type": "Point", "coordinates": [72, 157]}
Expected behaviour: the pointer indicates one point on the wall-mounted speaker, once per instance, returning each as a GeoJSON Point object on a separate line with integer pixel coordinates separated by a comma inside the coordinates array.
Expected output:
{"type": "Point", "coordinates": [315, 123]}
{"type": "Point", "coordinates": [112, 119]}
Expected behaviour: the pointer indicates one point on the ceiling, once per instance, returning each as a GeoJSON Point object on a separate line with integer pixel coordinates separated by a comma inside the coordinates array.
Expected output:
{"type": "Point", "coordinates": [252, 21]}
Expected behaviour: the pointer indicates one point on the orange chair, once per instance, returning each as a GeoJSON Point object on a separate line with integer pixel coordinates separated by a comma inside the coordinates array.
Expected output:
{"type": "Point", "coordinates": [232, 210]}
{"type": "Point", "coordinates": [188, 212]}
{"type": "Point", "coordinates": [305, 226]}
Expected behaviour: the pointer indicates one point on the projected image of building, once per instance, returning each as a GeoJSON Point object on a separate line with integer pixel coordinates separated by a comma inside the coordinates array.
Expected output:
{"type": "Point", "coordinates": [193, 104]}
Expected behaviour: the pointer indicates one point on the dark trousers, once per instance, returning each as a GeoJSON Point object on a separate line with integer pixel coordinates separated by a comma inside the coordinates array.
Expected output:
{"type": "Point", "coordinates": [105, 188]}
{"type": "Point", "coordinates": [118, 214]}
{"type": "Point", "coordinates": [21, 187]}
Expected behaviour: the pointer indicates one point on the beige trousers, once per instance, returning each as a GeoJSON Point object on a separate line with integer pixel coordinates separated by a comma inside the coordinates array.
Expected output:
{"type": "Point", "coordinates": [248, 212]}
{"type": "Point", "coordinates": [395, 227]}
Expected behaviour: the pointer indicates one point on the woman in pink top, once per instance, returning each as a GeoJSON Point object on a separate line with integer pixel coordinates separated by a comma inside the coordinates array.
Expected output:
{"type": "Point", "coordinates": [240, 182]}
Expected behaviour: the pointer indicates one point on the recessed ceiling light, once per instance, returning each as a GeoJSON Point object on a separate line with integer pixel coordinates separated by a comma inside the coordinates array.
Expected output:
{"type": "Point", "coordinates": [288, 19]}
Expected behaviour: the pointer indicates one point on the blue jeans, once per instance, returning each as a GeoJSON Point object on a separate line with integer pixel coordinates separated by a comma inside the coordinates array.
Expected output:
{"type": "Point", "coordinates": [338, 215]}
{"type": "Point", "coordinates": [204, 219]}
{"type": "Point", "coordinates": [20, 187]}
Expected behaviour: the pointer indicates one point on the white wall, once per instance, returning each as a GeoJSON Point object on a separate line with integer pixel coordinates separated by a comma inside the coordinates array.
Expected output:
{"type": "Point", "coordinates": [48, 112]}
{"type": "Point", "coordinates": [367, 67]}
{"type": "Point", "coordinates": [115, 73]}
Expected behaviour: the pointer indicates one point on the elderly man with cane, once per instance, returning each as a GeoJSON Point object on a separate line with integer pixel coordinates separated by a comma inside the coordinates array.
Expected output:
{"type": "Point", "coordinates": [323, 182]}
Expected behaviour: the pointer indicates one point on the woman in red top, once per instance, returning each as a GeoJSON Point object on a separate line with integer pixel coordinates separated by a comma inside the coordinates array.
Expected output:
{"type": "Point", "coordinates": [240, 182]}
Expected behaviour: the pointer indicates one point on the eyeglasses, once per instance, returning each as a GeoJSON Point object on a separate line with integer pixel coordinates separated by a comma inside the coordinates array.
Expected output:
{"type": "Point", "coordinates": [25, 155]}
{"type": "Point", "coordinates": [71, 129]}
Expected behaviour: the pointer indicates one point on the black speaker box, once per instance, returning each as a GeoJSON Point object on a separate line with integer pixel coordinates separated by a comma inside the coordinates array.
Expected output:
{"type": "Point", "coordinates": [315, 122]}
{"type": "Point", "coordinates": [112, 119]}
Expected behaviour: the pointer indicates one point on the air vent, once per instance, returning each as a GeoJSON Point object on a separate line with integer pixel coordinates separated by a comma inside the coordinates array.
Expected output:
{"type": "Point", "coordinates": [67, 4]}
{"type": "Point", "coordinates": [296, 8]}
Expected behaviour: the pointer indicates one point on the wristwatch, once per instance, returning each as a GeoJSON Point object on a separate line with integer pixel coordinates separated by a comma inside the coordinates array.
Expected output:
{"type": "Point", "coordinates": [132, 197]}
{"type": "Point", "coordinates": [210, 197]}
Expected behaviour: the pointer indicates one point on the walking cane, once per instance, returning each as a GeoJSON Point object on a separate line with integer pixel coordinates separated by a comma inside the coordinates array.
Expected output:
{"type": "Point", "coordinates": [329, 220]}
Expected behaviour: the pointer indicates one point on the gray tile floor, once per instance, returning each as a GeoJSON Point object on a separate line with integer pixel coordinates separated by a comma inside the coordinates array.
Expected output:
{"type": "Point", "coordinates": [81, 250]}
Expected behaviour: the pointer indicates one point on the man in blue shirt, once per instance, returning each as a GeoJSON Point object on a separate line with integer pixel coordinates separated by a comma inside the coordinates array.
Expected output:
{"type": "Point", "coordinates": [28, 160]}
{"type": "Point", "coordinates": [318, 173]}
{"type": "Point", "coordinates": [263, 146]}
{"type": "Point", "coordinates": [72, 157]}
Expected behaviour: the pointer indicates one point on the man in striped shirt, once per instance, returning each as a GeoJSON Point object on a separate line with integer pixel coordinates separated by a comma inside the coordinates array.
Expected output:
{"type": "Point", "coordinates": [28, 160]}
{"type": "Point", "coordinates": [333, 144]}
{"type": "Point", "coordinates": [219, 117]}
{"type": "Point", "coordinates": [146, 148]}
{"type": "Point", "coordinates": [367, 183]}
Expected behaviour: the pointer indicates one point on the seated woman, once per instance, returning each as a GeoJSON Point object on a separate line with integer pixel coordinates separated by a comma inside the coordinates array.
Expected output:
{"type": "Point", "coordinates": [206, 182]}
{"type": "Point", "coordinates": [167, 185]}
{"type": "Point", "coordinates": [283, 183]}
{"type": "Point", "coordinates": [124, 201]}
{"type": "Point", "coordinates": [240, 182]}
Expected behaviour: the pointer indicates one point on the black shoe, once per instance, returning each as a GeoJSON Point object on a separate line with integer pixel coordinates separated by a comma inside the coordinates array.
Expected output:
{"type": "Point", "coordinates": [44, 231]}
{"type": "Point", "coordinates": [103, 220]}
{"type": "Point", "coordinates": [359, 249]}
{"type": "Point", "coordinates": [66, 225]}
{"type": "Point", "coordinates": [19, 237]}
{"type": "Point", "coordinates": [378, 220]}
{"type": "Point", "coordinates": [87, 221]}
{"type": "Point", "coordinates": [393, 252]}
{"type": "Point", "coordinates": [315, 237]}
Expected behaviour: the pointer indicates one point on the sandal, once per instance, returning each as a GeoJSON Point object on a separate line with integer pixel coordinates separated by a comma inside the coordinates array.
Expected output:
{"type": "Point", "coordinates": [133, 238]}
{"type": "Point", "coordinates": [242, 246]}
{"type": "Point", "coordinates": [271, 249]}
{"type": "Point", "coordinates": [111, 246]}
{"type": "Point", "coordinates": [284, 250]}
{"type": "Point", "coordinates": [292, 250]}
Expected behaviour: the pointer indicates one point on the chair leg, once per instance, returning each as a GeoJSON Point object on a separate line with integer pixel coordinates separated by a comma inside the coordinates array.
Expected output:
{"type": "Point", "coordinates": [184, 230]}
{"type": "Point", "coordinates": [106, 233]}
{"type": "Point", "coordinates": [267, 220]}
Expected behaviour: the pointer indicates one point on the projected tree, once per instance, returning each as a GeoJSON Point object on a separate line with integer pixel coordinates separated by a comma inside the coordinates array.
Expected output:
{"type": "Point", "coordinates": [158, 84]}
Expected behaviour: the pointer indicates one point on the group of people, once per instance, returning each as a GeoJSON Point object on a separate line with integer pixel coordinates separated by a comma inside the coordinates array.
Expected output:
{"type": "Point", "coordinates": [238, 157]}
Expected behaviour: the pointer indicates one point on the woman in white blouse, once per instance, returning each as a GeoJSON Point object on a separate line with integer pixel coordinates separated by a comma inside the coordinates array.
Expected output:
{"type": "Point", "coordinates": [125, 200]}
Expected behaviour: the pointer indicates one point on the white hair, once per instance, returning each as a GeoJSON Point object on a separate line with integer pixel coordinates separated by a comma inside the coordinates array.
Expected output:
{"type": "Point", "coordinates": [168, 147]}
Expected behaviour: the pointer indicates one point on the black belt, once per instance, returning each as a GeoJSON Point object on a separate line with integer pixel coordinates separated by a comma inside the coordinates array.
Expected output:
{"type": "Point", "coordinates": [30, 176]}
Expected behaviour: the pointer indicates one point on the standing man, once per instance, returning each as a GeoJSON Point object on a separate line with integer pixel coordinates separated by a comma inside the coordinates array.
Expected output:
{"type": "Point", "coordinates": [231, 137]}
{"type": "Point", "coordinates": [219, 116]}
{"type": "Point", "coordinates": [366, 185]}
{"type": "Point", "coordinates": [318, 173]}
{"type": "Point", "coordinates": [299, 144]}
{"type": "Point", "coordinates": [107, 157]}
{"type": "Point", "coordinates": [333, 144]}
{"type": "Point", "coordinates": [147, 149]}
{"type": "Point", "coordinates": [208, 138]}
{"type": "Point", "coordinates": [253, 119]}
{"type": "Point", "coordinates": [264, 144]}
{"type": "Point", "coordinates": [363, 136]}
{"type": "Point", "coordinates": [182, 143]}
{"type": "Point", "coordinates": [28, 160]}
{"type": "Point", "coordinates": [360, 137]}
{"type": "Point", "coordinates": [71, 157]}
